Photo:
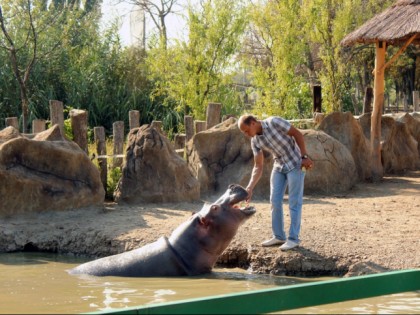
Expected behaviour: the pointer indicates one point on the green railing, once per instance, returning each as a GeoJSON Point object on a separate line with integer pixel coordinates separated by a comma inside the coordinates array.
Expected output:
{"type": "Point", "coordinates": [287, 297]}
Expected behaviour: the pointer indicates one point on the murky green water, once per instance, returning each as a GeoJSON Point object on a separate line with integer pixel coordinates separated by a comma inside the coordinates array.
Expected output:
{"type": "Point", "coordinates": [38, 283]}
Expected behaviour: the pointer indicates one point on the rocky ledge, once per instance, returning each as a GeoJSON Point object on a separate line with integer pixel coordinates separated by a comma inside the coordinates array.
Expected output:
{"type": "Point", "coordinates": [371, 228]}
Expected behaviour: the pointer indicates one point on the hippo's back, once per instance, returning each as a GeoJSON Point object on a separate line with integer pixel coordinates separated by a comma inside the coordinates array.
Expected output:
{"type": "Point", "coordinates": [157, 259]}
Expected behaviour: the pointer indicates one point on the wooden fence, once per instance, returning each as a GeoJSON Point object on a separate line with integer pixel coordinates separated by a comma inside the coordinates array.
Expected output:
{"type": "Point", "coordinates": [79, 124]}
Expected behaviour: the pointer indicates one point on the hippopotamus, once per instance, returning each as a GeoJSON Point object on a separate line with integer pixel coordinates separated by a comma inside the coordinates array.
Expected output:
{"type": "Point", "coordinates": [192, 249]}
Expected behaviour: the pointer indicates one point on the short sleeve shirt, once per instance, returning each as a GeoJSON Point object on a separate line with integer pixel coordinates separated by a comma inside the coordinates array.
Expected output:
{"type": "Point", "coordinates": [274, 139]}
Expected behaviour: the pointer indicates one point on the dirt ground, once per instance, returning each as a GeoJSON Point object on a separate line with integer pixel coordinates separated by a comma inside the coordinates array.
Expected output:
{"type": "Point", "coordinates": [369, 229]}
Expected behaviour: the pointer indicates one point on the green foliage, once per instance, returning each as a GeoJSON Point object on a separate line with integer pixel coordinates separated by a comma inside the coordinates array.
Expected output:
{"type": "Point", "coordinates": [114, 175]}
{"type": "Point", "coordinates": [285, 46]}
{"type": "Point", "coordinates": [190, 74]}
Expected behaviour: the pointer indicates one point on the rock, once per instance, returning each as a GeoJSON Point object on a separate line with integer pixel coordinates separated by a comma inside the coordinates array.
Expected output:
{"type": "Point", "coordinates": [222, 155]}
{"type": "Point", "coordinates": [345, 128]}
{"type": "Point", "coordinates": [40, 174]}
{"type": "Point", "coordinates": [153, 171]}
{"type": "Point", "coordinates": [399, 150]}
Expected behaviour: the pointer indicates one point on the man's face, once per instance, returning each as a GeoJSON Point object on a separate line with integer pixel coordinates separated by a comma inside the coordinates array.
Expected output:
{"type": "Point", "coordinates": [249, 130]}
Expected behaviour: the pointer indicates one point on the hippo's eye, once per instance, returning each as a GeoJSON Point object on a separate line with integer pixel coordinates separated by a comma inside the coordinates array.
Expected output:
{"type": "Point", "coordinates": [214, 208]}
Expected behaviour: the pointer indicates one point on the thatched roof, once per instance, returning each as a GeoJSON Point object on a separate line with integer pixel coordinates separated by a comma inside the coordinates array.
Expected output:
{"type": "Point", "coordinates": [395, 26]}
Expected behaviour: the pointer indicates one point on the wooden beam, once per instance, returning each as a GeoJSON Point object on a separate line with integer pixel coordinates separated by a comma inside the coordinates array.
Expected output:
{"type": "Point", "coordinates": [378, 102]}
{"type": "Point", "coordinates": [399, 52]}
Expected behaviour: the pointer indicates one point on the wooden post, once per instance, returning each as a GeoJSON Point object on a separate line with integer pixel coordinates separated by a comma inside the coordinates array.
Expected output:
{"type": "Point", "coordinates": [317, 99]}
{"type": "Point", "coordinates": [378, 101]}
{"type": "Point", "coordinates": [118, 135]}
{"type": "Point", "coordinates": [416, 105]}
{"type": "Point", "coordinates": [79, 126]}
{"type": "Point", "coordinates": [367, 102]}
{"type": "Point", "coordinates": [99, 134]}
{"type": "Point", "coordinates": [200, 125]}
{"type": "Point", "coordinates": [179, 141]}
{"type": "Point", "coordinates": [134, 119]}
{"type": "Point", "coordinates": [12, 121]}
{"type": "Point", "coordinates": [405, 103]}
{"type": "Point", "coordinates": [189, 127]}
{"type": "Point", "coordinates": [157, 124]}
{"type": "Point", "coordinates": [57, 115]}
{"type": "Point", "coordinates": [213, 114]}
{"type": "Point", "coordinates": [38, 125]}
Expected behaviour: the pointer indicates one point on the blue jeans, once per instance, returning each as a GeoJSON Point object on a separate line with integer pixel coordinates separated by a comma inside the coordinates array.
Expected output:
{"type": "Point", "coordinates": [294, 180]}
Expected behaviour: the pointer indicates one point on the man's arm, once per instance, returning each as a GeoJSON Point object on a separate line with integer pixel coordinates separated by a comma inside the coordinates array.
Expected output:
{"type": "Point", "coordinates": [295, 133]}
{"type": "Point", "coordinates": [256, 173]}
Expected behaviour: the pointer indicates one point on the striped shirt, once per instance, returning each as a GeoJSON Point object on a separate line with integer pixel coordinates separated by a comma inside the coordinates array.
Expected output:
{"type": "Point", "coordinates": [274, 139]}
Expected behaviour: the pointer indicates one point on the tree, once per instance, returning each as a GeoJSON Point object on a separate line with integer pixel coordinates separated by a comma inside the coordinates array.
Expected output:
{"type": "Point", "coordinates": [31, 33]}
{"type": "Point", "coordinates": [196, 72]}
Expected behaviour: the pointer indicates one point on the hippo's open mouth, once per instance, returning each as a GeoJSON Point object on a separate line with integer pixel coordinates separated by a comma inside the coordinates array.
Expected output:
{"type": "Point", "coordinates": [237, 194]}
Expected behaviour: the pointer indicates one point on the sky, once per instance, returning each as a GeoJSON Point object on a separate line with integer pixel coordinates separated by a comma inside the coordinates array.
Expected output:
{"type": "Point", "coordinates": [175, 24]}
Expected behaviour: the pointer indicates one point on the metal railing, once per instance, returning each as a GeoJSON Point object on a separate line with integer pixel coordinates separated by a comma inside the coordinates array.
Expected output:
{"type": "Point", "coordinates": [287, 297]}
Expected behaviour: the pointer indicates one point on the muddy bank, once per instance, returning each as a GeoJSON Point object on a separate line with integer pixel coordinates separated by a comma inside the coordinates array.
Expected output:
{"type": "Point", "coordinates": [371, 228]}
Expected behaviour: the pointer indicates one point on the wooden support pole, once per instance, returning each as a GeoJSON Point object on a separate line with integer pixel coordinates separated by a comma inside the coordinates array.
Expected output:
{"type": "Point", "coordinates": [134, 119]}
{"type": "Point", "coordinates": [79, 127]}
{"type": "Point", "coordinates": [38, 125]}
{"type": "Point", "coordinates": [99, 135]}
{"type": "Point", "coordinates": [189, 128]}
{"type": "Point", "coordinates": [200, 125]}
{"type": "Point", "coordinates": [378, 101]}
{"type": "Point", "coordinates": [118, 137]}
{"type": "Point", "coordinates": [12, 121]}
{"type": "Point", "coordinates": [367, 102]}
{"type": "Point", "coordinates": [416, 105]}
{"type": "Point", "coordinates": [57, 114]}
{"type": "Point", "coordinates": [213, 114]}
{"type": "Point", "coordinates": [317, 99]}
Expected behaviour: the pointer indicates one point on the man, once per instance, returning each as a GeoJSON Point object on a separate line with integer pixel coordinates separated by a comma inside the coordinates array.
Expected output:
{"type": "Point", "coordinates": [286, 143]}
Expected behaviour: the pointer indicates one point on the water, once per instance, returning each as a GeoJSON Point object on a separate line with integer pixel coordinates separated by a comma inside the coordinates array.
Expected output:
{"type": "Point", "coordinates": [37, 283]}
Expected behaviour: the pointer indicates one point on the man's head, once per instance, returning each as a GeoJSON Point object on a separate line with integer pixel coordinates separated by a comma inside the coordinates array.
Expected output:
{"type": "Point", "coordinates": [249, 125]}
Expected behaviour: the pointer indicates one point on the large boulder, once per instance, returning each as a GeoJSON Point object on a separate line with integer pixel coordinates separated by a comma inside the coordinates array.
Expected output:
{"type": "Point", "coordinates": [399, 150]}
{"type": "Point", "coordinates": [345, 128]}
{"type": "Point", "coordinates": [334, 167]}
{"type": "Point", "coordinates": [153, 171]}
{"type": "Point", "coordinates": [39, 174]}
{"type": "Point", "coordinates": [222, 155]}
{"type": "Point", "coordinates": [413, 126]}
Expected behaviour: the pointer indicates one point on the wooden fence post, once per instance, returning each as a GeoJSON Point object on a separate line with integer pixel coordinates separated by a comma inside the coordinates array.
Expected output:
{"type": "Point", "coordinates": [317, 99]}
{"type": "Point", "coordinates": [213, 114]}
{"type": "Point", "coordinates": [405, 104]}
{"type": "Point", "coordinates": [118, 136]}
{"type": "Point", "coordinates": [57, 115]}
{"type": "Point", "coordinates": [99, 134]}
{"type": "Point", "coordinates": [179, 141]}
{"type": "Point", "coordinates": [38, 125]}
{"type": "Point", "coordinates": [157, 124]}
{"type": "Point", "coordinates": [134, 119]}
{"type": "Point", "coordinates": [79, 126]}
{"type": "Point", "coordinates": [367, 102]}
{"type": "Point", "coordinates": [189, 127]}
{"type": "Point", "coordinates": [200, 125]}
{"type": "Point", "coordinates": [416, 105]}
{"type": "Point", "coordinates": [12, 121]}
